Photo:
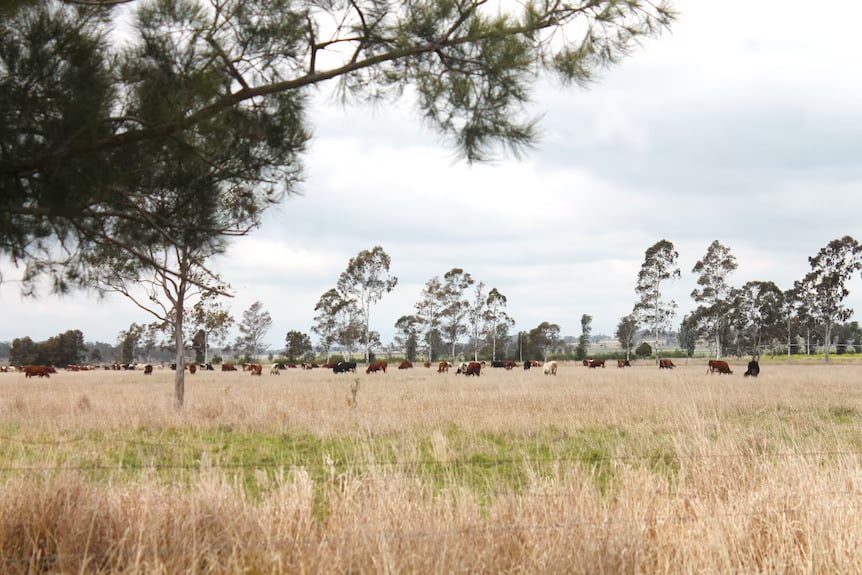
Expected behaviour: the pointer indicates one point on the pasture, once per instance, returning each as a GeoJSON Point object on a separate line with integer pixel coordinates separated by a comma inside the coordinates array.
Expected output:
{"type": "Point", "coordinates": [634, 470]}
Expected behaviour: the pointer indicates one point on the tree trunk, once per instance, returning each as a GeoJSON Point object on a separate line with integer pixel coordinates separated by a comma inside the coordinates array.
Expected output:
{"type": "Point", "coordinates": [180, 374]}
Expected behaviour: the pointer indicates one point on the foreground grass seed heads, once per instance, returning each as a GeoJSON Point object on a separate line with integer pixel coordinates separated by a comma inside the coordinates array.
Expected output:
{"type": "Point", "coordinates": [594, 470]}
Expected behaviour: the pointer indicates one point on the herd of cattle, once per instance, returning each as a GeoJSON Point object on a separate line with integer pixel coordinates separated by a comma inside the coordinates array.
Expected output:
{"type": "Point", "coordinates": [465, 368]}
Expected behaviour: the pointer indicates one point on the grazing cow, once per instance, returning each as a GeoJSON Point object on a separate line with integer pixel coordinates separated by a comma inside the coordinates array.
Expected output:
{"type": "Point", "coordinates": [587, 362]}
{"type": "Point", "coordinates": [665, 364]}
{"type": "Point", "coordinates": [474, 368]}
{"type": "Point", "coordinates": [623, 363]}
{"type": "Point", "coordinates": [405, 365]}
{"type": "Point", "coordinates": [376, 366]}
{"type": "Point", "coordinates": [718, 365]}
{"type": "Point", "coordinates": [255, 368]}
{"type": "Point", "coordinates": [527, 364]}
{"type": "Point", "coordinates": [192, 368]}
{"type": "Point", "coordinates": [38, 370]}
{"type": "Point", "coordinates": [148, 369]}
{"type": "Point", "coordinates": [550, 368]}
{"type": "Point", "coordinates": [753, 368]}
{"type": "Point", "coordinates": [597, 363]}
{"type": "Point", "coordinates": [344, 367]}
{"type": "Point", "coordinates": [228, 367]}
{"type": "Point", "coordinates": [443, 367]}
{"type": "Point", "coordinates": [274, 369]}
{"type": "Point", "coordinates": [509, 364]}
{"type": "Point", "coordinates": [427, 364]}
{"type": "Point", "coordinates": [535, 363]}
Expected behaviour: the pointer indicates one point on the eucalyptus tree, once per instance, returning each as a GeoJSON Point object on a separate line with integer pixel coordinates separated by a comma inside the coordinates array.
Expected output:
{"type": "Point", "coordinates": [714, 294]}
{"type": "Point", "coordinates": [365, 281]}
{"type": "Point", "coordinates": [625, 333]}
{"type": "Point", "coordinates": [454, 306]}
{"type": "Point", "coordinates": [543, 339]}
{"type": "Point", "coordinates": [407, 335]}
{"type": "Point", "coordinates": [297, 345]}
{"type": "Point", "coordinates": [660, 265]}
{"type": "Point", "coordinates": [497, 320]}
{"type": "Point", "coordinates": [584, 339]}
{"type": "Point", "coordinates": [759, 314]}
{"type": "Point", "coordinates": [428, 313]}
{"type": "Point", "coordinates": [255, 324]}
{"type": "Point", "coordinates": [478, 305]}
{"type": "Point", "coordinates": [824, 288]}
{"type": "Point", "coordinates": [689, 331]}
{"type": "Point", "coordinates": [326, 322]}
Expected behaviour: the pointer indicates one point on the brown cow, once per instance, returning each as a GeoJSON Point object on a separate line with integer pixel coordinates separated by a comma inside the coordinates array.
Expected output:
{"type": "Point", "coordinates": [509, 364]}
{"type": "Point", "coordinates": [193, 368]}
{"type": "Point", "coordinates": [597, 363]}
{"type": "Point", "coordinates": [623, 363]}
{"type": "Point", "coordinates": [427, 364]}
{"type": "Point", "coordinates": [443, 367]}
{"type": "Point", "coordinates": [40, 370]}
{"type": "Point", "coordinates": [148, 369]}
{"type": "Point", "coordinates": [474, 368]}
{"type": "Point", "coordinates": [718, 365]}
{"type": "Point", "coordinates": [665, 364]}
{"type": "Point", "coordinates": [376, 366]}
{"type": "Point", "coordinates": [255, 368]}
{"type": "Point", "coordinates": [405, 365]}
{"type": "Point", "coordinates": [228, 367]}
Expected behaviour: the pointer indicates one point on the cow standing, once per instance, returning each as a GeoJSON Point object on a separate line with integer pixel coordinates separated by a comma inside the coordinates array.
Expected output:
{"type": "Point", "coordinates": [550, 368]}
{"type": "Point", "coordinates": [376, 366]}
{"type": "Point", "coordinates": [753, 368]}
{"type": "Point", "coordinates": [720, 366]}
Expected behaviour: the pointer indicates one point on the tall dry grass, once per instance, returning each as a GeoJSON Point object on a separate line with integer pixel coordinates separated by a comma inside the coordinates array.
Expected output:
{"type": "Point", "coordinates": [592, 471]}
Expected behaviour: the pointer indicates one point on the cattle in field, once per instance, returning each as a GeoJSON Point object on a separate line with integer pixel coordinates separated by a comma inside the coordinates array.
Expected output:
{"type": "Point", "coordinates": [376, 366]}
{"type": "Point", "coordinates": [597, 363]}
{"type": "Point", "coordinates": [510, 364]}
{"type": "Point", "coordinates": [427, 364]}
{"type": "Point", "coordinates": [228, 367]}
{"type": "Point", "coordinates": [753, 369]}
{"type": "Point", "coordinates": [255, 368]}
{"type": "Point", "coordinates": [587, 362]}
{"type": "Point", "coordinates": [329, 364]}
{"type": "Point", "coordinates": [718, 365]}
{"type": "Point", "coordinates": [148, 369]}
{"type": "Point", "coordinates": [192, 368]}
{"type": "Point", "coordinates": [344, 367]}
{"type": "Point", "coordinates": [535, 363]}
{"type": "Point", "coordinates": [474, 368]}
{"type": "Point", "coordinates": [550, 368]}
{"type": "Point", "coordinates": [498, 364]}
{"type": "Point", "coordinates": [623, 363]}
{"type": "Point", "coordinates": [527, 364]}
{"type": "Point", "coordinates": [38, 370]}
{"type": "Point", "coordinates": [274, 369]}
{"type": "Point", "coordinates": [405, 365]}
{"type": "Point", "coordinates": [443, 367]}
{"type": "Point", "coordinates": [665, 364]}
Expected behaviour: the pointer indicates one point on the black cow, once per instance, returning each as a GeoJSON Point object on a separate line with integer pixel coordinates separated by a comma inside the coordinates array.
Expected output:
{"type": "Point", "coordinates": [527, 364]}
{"type": "Point", "coordinates": [753, 369]}
{"type": "Point", "coordinates": [344, 367]}
{"type": "Point", "coordinates": [498, 364]}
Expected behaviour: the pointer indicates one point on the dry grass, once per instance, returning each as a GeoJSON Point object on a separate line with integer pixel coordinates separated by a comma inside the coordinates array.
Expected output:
{"type": "Point", "coordinates": [591, 471]}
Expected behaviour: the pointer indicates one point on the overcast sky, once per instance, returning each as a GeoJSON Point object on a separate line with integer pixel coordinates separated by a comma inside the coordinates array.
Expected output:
{"type": "Point", "coordinates": [742, 124]}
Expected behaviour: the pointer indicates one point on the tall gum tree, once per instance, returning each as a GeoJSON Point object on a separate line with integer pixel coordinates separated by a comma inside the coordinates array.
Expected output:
{"type": "Point", "coordinates": [365, 281]}
{"type": "Point", "coordinates": [824, 288]}
{"type": "Point", "coordinates": [660, 265]}
{"type": "Point", "coordinates": [713, 293]}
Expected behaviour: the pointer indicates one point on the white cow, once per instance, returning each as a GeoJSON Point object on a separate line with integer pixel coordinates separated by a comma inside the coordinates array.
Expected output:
{"type": "Point", "coordinates": [550, 368]}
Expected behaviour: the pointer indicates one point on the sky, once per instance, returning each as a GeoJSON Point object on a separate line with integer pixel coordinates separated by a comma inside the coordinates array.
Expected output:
{"type": "Point", "coordinates": [741, 124]}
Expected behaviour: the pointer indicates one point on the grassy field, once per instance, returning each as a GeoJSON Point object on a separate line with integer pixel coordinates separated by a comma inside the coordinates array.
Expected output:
{"type": "Point", "coordinates": [635, 470]}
